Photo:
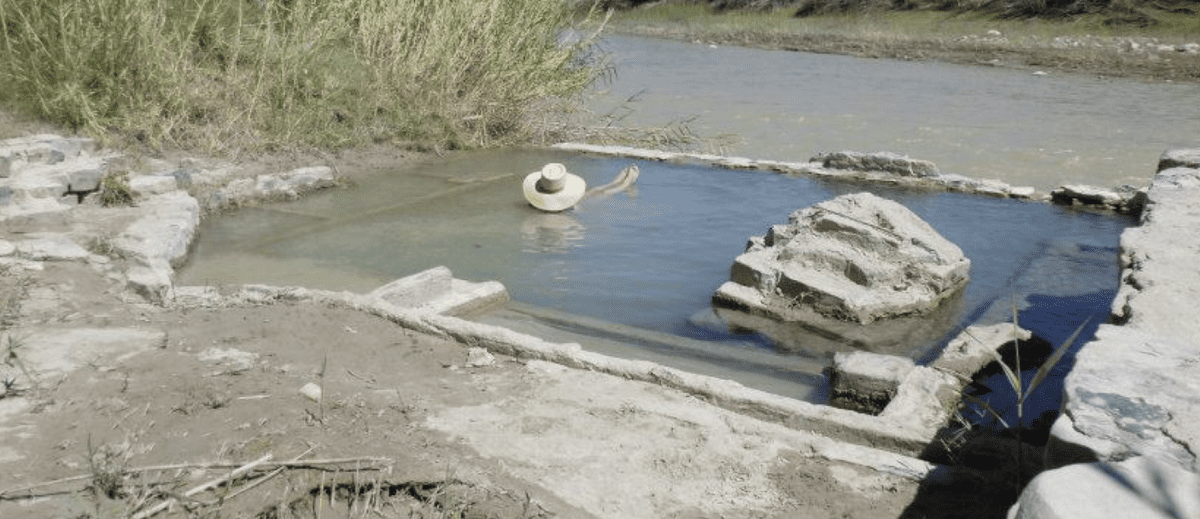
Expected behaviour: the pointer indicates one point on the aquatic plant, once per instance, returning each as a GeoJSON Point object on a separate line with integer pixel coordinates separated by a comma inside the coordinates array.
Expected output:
{"type": "Point", "coordinates": [1021, 390]}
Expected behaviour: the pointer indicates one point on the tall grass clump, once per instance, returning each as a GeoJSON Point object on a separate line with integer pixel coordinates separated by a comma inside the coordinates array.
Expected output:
{"type": "Point", "coordinates": [249, 75]}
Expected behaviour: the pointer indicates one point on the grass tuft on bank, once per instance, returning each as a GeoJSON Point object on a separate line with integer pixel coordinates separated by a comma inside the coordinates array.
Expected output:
{"type": "Point", "coordinates": [234, 76]}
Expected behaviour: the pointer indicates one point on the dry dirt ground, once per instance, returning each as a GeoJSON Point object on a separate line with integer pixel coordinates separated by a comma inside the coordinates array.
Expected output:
{"type": "Point", "coordinates": [141, 410]}
{"type": "Point", "coordinates": [203, 391]}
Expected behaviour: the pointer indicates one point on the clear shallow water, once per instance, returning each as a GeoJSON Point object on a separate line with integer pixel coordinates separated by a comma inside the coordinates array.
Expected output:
{"type": "Point", "coordinates": [649, 258]}
{"type": "Point", "coordinates": [1041, 131]}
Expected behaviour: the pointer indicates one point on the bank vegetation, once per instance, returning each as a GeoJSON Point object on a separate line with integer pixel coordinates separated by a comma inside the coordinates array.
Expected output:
{"type": "Point", "coordinates": [234, 76]}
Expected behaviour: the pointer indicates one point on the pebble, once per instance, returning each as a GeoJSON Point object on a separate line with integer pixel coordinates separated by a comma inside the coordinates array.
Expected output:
{"type": "Point", "coordinates": [311, 391]}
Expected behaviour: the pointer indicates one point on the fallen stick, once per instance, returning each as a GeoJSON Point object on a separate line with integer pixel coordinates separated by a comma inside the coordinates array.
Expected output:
{"type": "Point", "coordinates": [248, 486]}
{"type": "Point", "coordinates": [234, 474]}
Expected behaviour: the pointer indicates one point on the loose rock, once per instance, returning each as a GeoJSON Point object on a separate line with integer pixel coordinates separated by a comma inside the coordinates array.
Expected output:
{"type": "Point", "coordinates": [479, 358]}
{"type": "Point", "coordinates": [311, 391]}
{"type": "Point", "coordinates": [878, 161]}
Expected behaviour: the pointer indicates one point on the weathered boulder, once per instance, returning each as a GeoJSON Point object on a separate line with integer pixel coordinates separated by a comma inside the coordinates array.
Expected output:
{"type": "Point", "coordinates": [857, 258]}
{"type": "Point", "coordinates": [1138, 487]}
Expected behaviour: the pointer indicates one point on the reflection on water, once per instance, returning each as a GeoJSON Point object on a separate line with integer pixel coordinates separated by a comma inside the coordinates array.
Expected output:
{"type": "Point", "coordinates": [551, 233]}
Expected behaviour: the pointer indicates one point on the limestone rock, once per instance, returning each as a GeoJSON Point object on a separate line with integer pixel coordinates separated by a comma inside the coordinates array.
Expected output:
{"type": "Point", "coordinates": [1138, 487]}
{"type": "Point", "coordinates": [1179, 158]}
{"type": "Point", "coordinates": [922, 400]}
{"type": "Point", "coordinates": [436, 290]}
{"type": "Point", "coordinates": [158, 241]}
{"type": "Point", "coordinates": [52, 247]}
{"type": "Point", "coordinates": [975, 348]}
{"type": "Point", "coordinates": [1130, 393]}
{"type": "Point", "coordinates": [44, 149]}
{"type": "Point", "coordinates": [163, 235]}
{"type": "Point", "coordinates": [480, 358]}
{"type": "Point", "coordinates": [1133, 389]}
{"type": "Point", "coordinates": [1125, 199]}
{"type": "Point", "coordinates": [263, 187]}
{"type": "Point", "coordinates": [147, 185]}
{"type": "Point", "coordinates": [416, 289]}
{"type": "Point", "coordinates": [857, 258]}
{"type": "Point", "coordinates": [865, 381]}
{"type": "Point", "coordinates": [879, 161]}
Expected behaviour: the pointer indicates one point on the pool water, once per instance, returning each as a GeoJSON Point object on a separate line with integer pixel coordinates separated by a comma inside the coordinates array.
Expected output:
{"type": "Point", "coordinates": [650, 257]}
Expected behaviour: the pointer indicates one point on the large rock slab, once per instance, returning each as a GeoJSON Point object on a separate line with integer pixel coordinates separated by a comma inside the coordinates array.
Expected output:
{"type": "Point", "coordinates": [1135, 388]}
{"type": "Point", "coordinates": [857, 258]}
{"type": "Point", "coordinates": [1130, 393]}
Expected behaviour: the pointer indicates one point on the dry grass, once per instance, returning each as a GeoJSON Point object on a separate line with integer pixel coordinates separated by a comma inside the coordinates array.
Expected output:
{"type": "Point", "coordinates": [271, 75]}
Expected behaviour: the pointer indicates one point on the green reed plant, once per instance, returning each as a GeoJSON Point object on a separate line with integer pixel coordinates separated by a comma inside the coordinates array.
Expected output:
{"type": "Point", "coordinates": [226, 75]}
{"type": "Point", "coordinates": [1020, 390]}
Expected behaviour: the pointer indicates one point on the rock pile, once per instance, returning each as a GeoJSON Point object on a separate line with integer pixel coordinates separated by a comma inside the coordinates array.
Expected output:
{"type": "Point", "coordinates": [855, 258]}
{"type": "Point", "coordinates": [44, 177]}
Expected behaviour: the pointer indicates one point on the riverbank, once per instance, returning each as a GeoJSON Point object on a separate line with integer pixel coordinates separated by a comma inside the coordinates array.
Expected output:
{"type": "Point", "coordinates": [1086, 46]}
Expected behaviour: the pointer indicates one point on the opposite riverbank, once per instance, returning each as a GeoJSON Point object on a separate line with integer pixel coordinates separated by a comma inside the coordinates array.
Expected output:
{"type": "Point", "coordinates": [1169, 51]}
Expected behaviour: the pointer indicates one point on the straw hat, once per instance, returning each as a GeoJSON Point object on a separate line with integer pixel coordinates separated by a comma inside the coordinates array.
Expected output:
{"type": "Point", "coordinates": [553, 189]}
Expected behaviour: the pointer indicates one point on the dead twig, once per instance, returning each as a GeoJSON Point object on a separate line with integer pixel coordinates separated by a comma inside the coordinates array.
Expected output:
{"type": "Point", "coordinates": [233, 474]}
{"type": "Point", "coordinates": [249, 486]}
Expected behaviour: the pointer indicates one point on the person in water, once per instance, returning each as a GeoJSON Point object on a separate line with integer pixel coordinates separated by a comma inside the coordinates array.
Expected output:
{"type": "Point", "coordinates": [553, 189]}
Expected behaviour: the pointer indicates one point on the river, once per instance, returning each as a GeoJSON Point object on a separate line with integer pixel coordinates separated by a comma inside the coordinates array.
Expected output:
{"type": "Point", "coordinates": [985, 122]}
{"type": "Point", "coordinates": [651, 258]}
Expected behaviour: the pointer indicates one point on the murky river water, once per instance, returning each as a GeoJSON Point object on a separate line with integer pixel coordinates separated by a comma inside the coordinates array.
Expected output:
{"type": "Point", "coordinates": [651, 258]}
{"type": "Point", "coordinates": [1025, 129]}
